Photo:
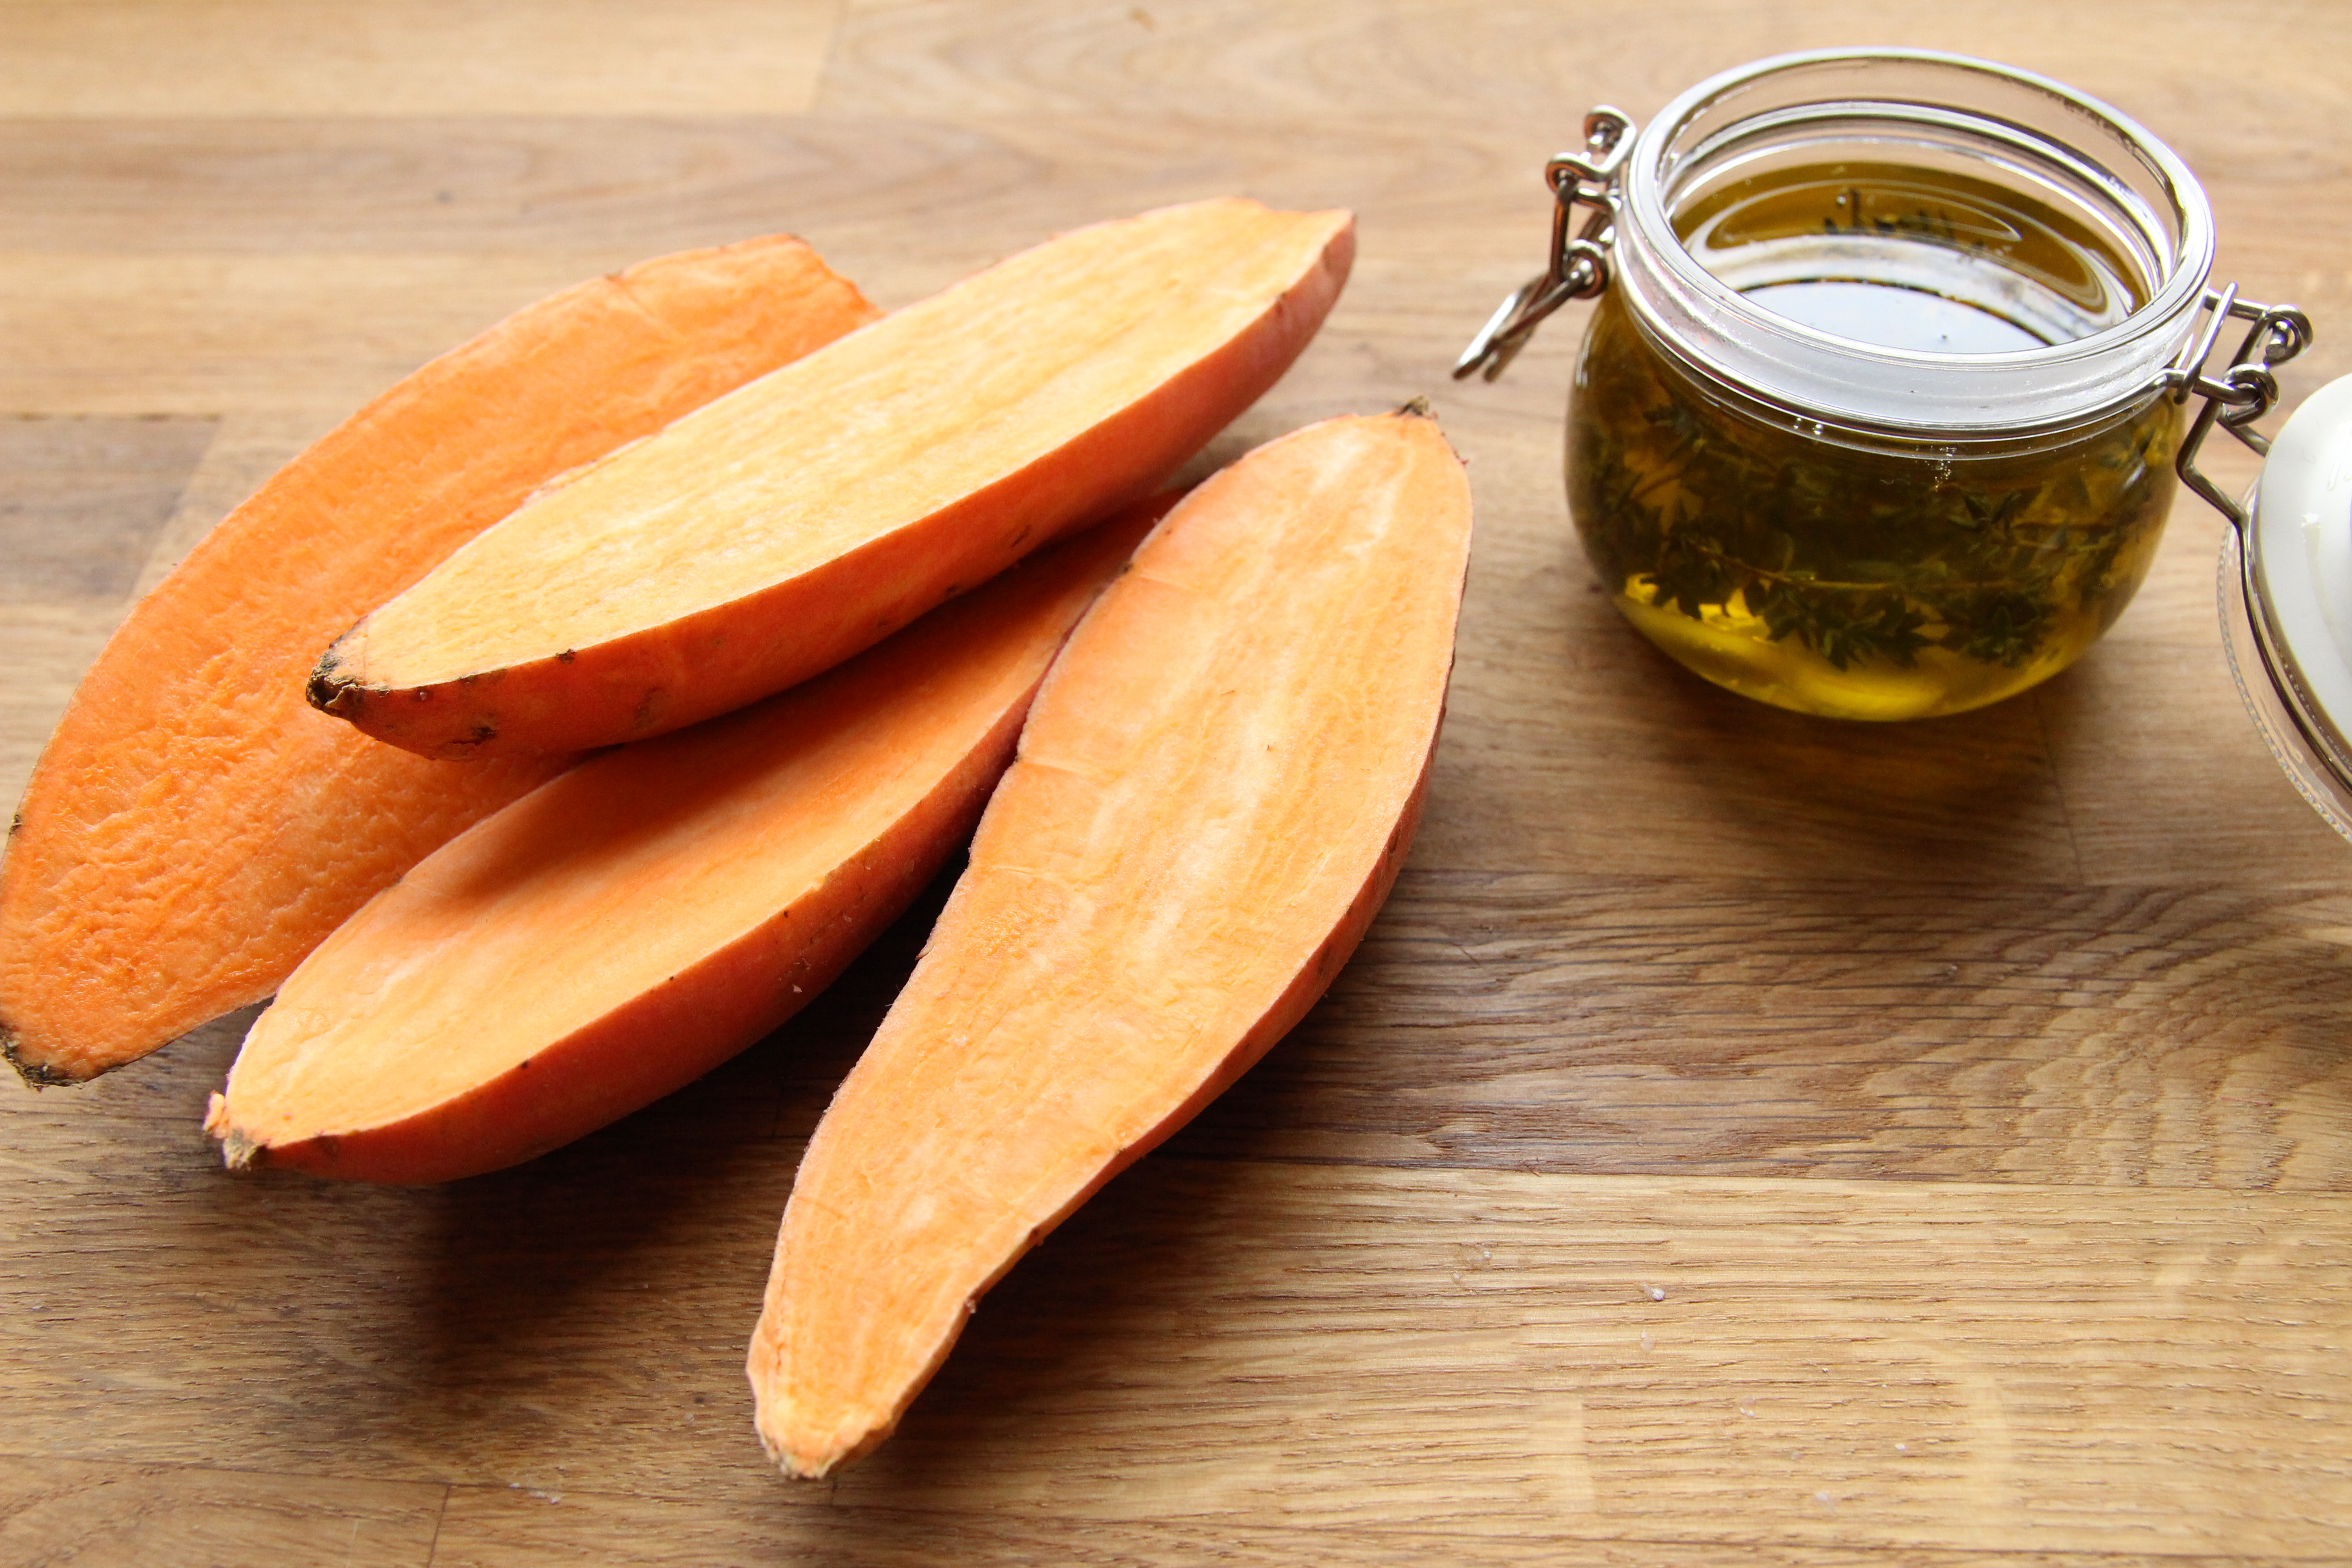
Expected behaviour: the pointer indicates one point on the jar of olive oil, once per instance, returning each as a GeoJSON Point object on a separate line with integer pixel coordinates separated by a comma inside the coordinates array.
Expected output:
{"type": "Point", "coordinates": [1878, 415]}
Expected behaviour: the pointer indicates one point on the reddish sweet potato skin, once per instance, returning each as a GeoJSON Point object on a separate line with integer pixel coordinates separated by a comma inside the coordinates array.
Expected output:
{"type": "Point", "coordinates": [731, 654]}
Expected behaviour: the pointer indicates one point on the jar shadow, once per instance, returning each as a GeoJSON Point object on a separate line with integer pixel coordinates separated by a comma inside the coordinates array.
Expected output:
{"type": "Point", "coordinates": [1636, 766]}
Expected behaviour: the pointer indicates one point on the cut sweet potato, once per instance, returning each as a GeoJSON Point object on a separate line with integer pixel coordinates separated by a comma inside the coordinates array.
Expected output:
{"type": "Point", "coordinates": [783, 528]}
{"type": "Point", "coordinates": [626, 927]}
{"type": "Point", "coordinates": [1213, 795]}
{"type": "Point", "coordinates": [193, 830]}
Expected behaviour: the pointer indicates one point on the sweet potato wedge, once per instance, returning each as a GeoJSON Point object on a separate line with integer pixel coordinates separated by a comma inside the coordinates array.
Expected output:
{"type": "Point", "coordinates": [193, 828]}
{"type": "Point", "coordinates": [629, 925]}
{"type": "Point", "coordinates": [785, 527]}
{"type": "Point", "coordinates": [1214, 793]}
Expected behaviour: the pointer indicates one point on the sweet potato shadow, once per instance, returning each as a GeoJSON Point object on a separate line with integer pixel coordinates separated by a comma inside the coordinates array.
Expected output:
{"type": "Point", "coordinates": [527, 1258]}
{"type": "Point", "coordinates": [1111, 1289]}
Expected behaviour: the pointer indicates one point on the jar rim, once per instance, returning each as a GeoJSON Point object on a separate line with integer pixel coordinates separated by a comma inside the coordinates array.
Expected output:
{"type": "Point", "coordinates": [1910, 393]}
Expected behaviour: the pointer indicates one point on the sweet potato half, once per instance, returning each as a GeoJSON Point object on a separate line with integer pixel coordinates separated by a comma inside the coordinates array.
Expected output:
{"type": "Point", "coordinates": [1214, 793]}
{"type": "Point", "coordinates": [771, 534]}
{"type": "Point", "coordinates": [626, 927]}
{"type": "Point", "coordinates": [193, 828]}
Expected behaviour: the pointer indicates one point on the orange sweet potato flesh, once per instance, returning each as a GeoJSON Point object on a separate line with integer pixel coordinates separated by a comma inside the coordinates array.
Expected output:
{"type": "Point", "coordinates": [629, 925]}
{"type": "Point", "coordinates": [1214, 793]}
{"type": "Point", "coordinates": [783, 528]}
{"type": "Point", "coordinates": [192, 827]}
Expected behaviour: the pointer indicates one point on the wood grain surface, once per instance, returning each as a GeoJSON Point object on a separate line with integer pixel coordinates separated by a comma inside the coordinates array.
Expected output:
{"type": "Point", "coordinates": [1743, 1138]}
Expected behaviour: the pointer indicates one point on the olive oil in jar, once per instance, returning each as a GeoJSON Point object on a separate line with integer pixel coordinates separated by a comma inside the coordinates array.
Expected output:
{"type": "Point", "coordinates": [1858, 574]}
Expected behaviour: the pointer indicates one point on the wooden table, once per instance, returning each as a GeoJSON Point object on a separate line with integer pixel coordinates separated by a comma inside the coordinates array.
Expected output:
{"type": "Point", "coordinates": [1742, 1139]}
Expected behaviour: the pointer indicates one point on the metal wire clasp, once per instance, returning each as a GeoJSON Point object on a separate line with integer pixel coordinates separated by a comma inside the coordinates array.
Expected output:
{"type": "Point", "coordinates": [2243, 393]}
{"type": "Point", "coordinates": [1580, 260]}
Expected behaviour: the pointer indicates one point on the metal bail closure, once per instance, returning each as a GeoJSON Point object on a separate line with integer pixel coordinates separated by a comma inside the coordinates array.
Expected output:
{"type": "Point", "coordinates": [2243, 393]}
{"type": "Point", "coordinates": [1579, 257]}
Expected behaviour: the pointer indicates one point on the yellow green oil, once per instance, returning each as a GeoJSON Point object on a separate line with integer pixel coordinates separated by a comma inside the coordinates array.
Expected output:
{"type": "Point", "coordinates": [1869, 578]}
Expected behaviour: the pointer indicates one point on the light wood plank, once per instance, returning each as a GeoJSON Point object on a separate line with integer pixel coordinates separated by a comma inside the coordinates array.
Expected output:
{"type": "Point", "coordinates": [513, 1528]}
{"type": "Point", "coordinates": [1883, 1364]}
{"type": "Point", "coordinates": [109, 334]}
{"type": "Point", "coordinates": [2182, 67]}
{"type": "Point", "coordinates": [580, 1321]}
{"type": "Point", "coordinates": [126, 1516]}
{"type": "Point", "coordinates": [131, 58]}
{"type": "Point", "coordinates": [1620, 1357]}
{"type": "Point", "coordinates": [2107, 1038]}
{"type": "Point", "coordinates": [158, 184]}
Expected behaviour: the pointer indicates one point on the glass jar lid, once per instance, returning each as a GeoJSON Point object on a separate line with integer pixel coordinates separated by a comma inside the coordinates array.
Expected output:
{"type": "Point", "coordinates": [2285, 587]}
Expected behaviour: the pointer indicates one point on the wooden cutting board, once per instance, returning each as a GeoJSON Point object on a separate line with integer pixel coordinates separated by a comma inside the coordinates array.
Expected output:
{"type": "Point", "coordinates": [1743, 1138]}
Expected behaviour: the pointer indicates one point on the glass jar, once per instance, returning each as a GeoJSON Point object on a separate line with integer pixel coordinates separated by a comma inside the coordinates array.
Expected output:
{"type": "Point", "coordinates": [1878, 416]}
